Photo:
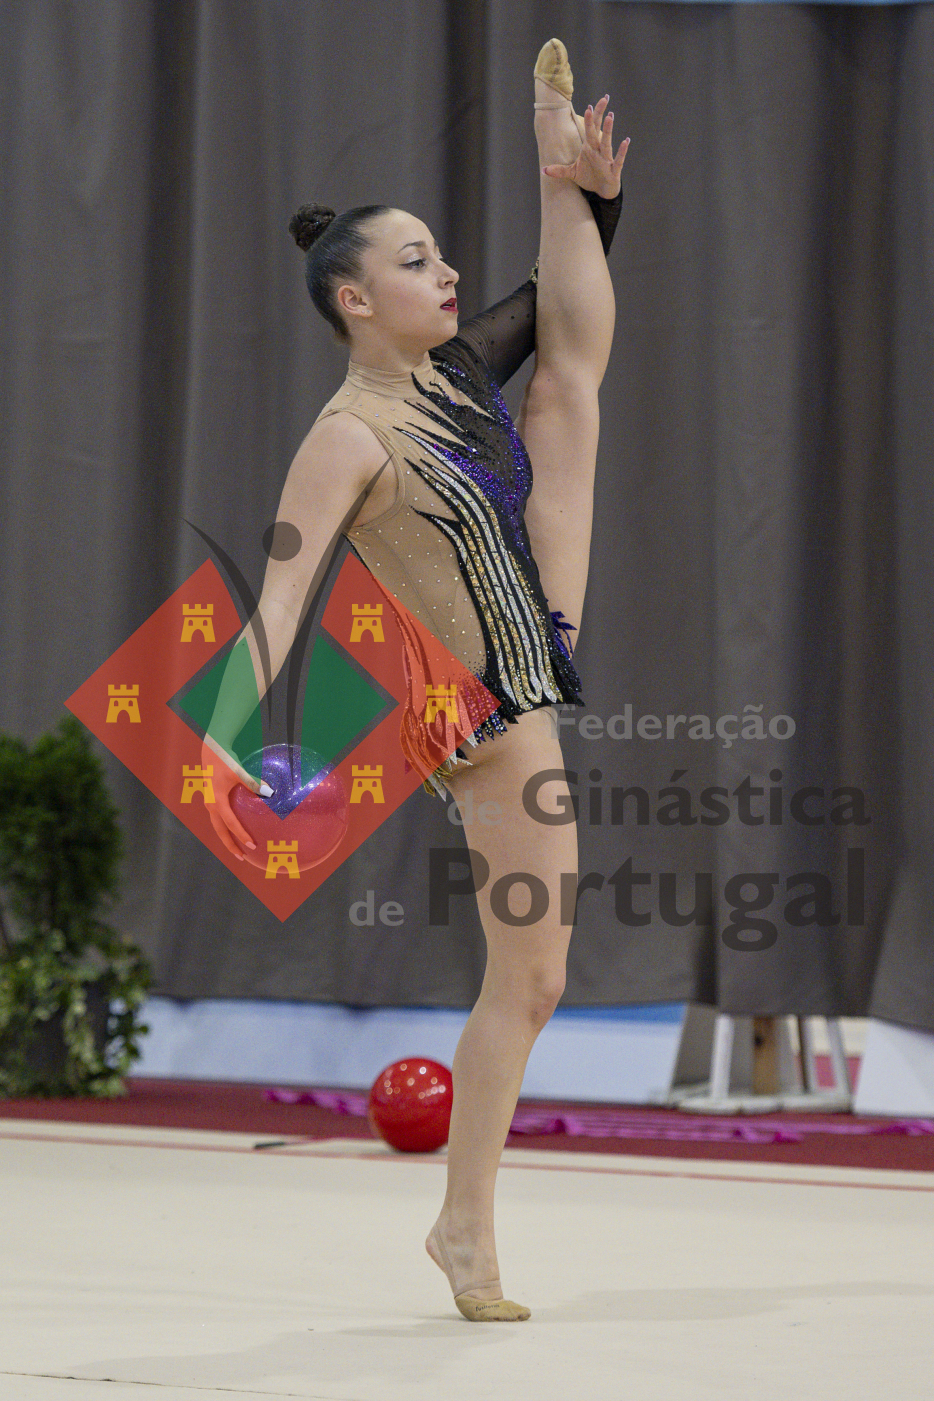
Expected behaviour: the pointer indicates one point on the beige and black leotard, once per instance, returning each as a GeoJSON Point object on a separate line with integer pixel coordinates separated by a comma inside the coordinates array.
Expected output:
{"type": "Point", "coordinates": [453, 547]}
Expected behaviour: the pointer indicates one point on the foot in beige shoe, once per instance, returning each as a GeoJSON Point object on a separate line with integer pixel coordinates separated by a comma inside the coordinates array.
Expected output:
{"type": "Point", "coordinates": [567, 149]}
{"type": "Point", "coordinates": [559, 141]}
{"type": "Point", "coordinates": [553, 67]}
{"type": "Point", "coordinates": [467, 1297]}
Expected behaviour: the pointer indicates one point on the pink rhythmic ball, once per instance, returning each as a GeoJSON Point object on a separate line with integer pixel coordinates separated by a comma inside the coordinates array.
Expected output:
{"type": "Point", "coordinates": [308, 805]}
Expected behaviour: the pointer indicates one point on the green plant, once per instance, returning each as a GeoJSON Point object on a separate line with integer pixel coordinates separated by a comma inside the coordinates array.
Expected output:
{"type": "Point", "coordinates": [60, 849]}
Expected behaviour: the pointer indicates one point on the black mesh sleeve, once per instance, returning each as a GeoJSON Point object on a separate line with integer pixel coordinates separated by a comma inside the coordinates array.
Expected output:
{"type": "Point", "coordinates": [503, 336]}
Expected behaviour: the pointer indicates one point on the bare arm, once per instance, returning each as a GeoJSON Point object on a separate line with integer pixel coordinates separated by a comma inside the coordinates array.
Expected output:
{"type": "Point", "coordinates": [327, 483]}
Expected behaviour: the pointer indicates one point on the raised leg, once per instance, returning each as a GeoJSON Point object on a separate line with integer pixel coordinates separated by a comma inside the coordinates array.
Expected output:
{"type": "Point", "coordinates": [523, 981]}
{"type": "Point", "coordinates": [560, 418]}
{"type": "Point", "coordinates": [560, 430]}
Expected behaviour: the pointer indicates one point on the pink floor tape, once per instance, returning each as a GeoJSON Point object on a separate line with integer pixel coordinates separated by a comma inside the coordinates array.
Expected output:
{"type": "Point", "coordinates": [641, 1123]}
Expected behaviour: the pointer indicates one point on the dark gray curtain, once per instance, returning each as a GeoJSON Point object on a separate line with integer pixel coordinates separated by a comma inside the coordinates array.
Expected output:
{"type": "Point", "coordinates": [764, 510]}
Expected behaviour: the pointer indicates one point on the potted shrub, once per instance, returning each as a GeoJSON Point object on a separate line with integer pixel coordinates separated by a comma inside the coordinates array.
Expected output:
{"type": "Point", "coordinates": [70, 985]}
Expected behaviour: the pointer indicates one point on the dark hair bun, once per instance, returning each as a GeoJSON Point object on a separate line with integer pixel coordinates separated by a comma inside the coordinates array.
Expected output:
{"type": "Point", "coordinates": [310, 223]}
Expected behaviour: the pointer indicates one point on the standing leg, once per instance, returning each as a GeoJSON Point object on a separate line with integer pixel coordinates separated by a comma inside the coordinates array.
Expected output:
{"type": "Point", "coordinates": [522, 983]}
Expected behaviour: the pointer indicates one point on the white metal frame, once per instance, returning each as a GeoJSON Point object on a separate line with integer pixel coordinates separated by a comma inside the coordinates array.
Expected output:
{"type": "Point", "coordinates": [728, 1090]}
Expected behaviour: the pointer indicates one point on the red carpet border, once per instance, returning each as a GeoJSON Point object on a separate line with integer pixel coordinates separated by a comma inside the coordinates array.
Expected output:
{"type": "Point", "coordinates": [315, 1114]}
{"type": "Point", "coordinates": [627, 1123]}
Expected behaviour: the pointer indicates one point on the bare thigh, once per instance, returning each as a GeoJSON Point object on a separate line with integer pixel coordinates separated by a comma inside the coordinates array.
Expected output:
{"type": "Point", "coordinates": [559, 422]}
{"type": "Point", "coordinates": [516, 783]}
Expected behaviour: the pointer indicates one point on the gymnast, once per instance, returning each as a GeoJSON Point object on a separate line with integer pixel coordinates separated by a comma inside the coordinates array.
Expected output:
{"type": "Point", "coordinates": [481, 527]}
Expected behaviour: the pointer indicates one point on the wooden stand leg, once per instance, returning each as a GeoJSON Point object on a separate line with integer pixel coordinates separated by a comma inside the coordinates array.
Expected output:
{"type": "Point", "coordinates": [765, 1071]}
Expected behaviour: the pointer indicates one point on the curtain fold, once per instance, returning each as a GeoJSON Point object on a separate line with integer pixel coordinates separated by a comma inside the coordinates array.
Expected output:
{"type": "Point", "coordinates": [764, 502]}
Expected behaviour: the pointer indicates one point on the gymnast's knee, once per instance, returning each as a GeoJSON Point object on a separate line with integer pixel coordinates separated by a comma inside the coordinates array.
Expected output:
{"type": "Point", "coordinates": [545, 993]}
{"type": "Point", "coordinates": [541, 989]}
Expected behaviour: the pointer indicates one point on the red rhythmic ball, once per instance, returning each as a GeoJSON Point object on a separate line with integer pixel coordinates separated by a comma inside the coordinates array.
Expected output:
{"type": "Point", "coordinates": [308, 806]}
{"type": "Point", "coordinates": [410, 1105]}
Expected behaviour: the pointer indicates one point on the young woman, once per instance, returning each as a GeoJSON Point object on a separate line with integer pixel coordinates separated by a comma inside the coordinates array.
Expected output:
{"type": "Point", "coordinates": [442, 530]}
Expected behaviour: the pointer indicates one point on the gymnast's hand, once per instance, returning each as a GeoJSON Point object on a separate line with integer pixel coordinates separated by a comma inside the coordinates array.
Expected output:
{"type": "Point", "coordinates": [224, 779]}
{"type": "Point", "coordinates": [596, 168]}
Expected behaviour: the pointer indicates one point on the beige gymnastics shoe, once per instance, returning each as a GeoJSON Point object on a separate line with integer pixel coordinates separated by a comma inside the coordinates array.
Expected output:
{"type": "Point", "coordinates": [477, 1310]}
{"type": "Point", "coordinates": [553, 68]}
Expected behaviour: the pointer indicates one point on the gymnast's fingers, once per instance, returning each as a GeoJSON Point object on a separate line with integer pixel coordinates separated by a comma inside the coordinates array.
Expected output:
{"type": "Point", "coordinates": [606, 144]}
{"type": "Point", "coordinates": [620, 160]}
{"type": "Point", "coordinates": [226, 814]}
{"type": "Point", "coordinates": [226, 839]}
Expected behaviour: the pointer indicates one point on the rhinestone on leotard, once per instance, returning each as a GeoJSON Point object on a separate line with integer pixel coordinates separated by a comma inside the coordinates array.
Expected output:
{"type": "Point", "coordinates": [451, 433]}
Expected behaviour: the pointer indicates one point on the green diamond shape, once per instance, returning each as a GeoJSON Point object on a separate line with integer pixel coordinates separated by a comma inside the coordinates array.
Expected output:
{"type": "Point", "coordinates": [339, 702]}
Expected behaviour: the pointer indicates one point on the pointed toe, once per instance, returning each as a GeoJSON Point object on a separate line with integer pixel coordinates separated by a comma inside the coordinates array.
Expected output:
{"type": "Point", "coordinates": [552, 67]}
